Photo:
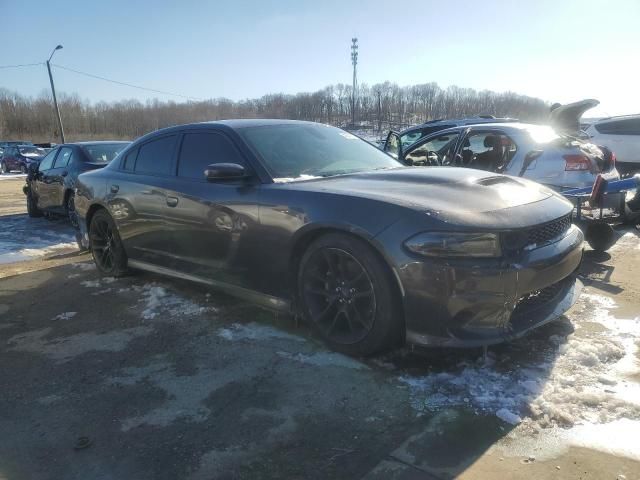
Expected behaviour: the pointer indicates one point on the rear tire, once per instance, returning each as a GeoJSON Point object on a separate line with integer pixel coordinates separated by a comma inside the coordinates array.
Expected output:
{"type": "Point", "coordinates": [600, 236]}
{"type": "Point", "coordinates": [70, 207]}
{"type": "Point", "coordinates": [106, 245]}
{"type": "Point", "coordinates": [346, 293]}
{"type": "Point", "coordinates": [32, 207]}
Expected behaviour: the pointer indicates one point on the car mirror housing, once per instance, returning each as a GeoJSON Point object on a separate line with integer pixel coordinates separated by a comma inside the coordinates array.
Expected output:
{"type": "Point", "coordinates": [224, 171]}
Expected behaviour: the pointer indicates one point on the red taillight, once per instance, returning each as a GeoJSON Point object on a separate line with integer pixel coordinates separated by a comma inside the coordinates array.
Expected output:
{"type": "Point", "coordinates": [576, 163]}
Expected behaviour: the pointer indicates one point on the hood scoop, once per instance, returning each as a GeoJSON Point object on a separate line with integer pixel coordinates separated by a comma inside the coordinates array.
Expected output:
{"type": "Point", "coordinates": [497, 180]}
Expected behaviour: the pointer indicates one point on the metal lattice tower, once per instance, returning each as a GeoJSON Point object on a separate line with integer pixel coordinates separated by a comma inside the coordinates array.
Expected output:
{"type": "Point", "coordinates": [354, 62]}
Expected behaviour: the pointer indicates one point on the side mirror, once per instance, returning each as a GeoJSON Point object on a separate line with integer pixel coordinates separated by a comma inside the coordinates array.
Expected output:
{"type": "Point", "coordinates": [224, 171]}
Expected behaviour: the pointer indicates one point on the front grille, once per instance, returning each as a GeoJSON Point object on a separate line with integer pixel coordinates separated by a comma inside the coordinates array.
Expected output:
{"type": "Point", "coordinates": [533, 300]}
{"type": "Point", "coordinates": [548, 231]}
{"type": "Point", "coordinates": [537, 235]}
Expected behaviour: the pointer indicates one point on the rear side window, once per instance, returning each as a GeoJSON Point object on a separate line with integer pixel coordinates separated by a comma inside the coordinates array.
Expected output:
{"type": "Point", "coordinates": [628, 126]}
{"type": "Point", "coordinates": [130, 160]}
{"type": "Point", "coordinates": [155, 157]}
{"type": "Point", "coordinates": [47, 161]}
{"type": "Point", "coordinates": [202, 149]}
{"type": "Point", "coordinates": [63, 159]}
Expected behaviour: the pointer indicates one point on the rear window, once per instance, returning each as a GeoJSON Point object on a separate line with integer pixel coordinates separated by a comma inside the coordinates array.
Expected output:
{"type": "Point", "coordinates": [104, 152]}
{"type": "Point", "coordinates": [155, 157]}
{"type": "Point", "coordinates": [627, 126]}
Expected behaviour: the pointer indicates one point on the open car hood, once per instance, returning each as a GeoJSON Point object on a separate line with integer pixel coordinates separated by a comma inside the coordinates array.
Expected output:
{"type": "Point", "coordinates": [566, 118]}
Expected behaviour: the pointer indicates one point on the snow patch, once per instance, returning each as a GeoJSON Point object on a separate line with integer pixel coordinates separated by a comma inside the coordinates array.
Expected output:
{"type": "Point", "coordinates": [254, 331]}
{"type": "Point", "coordinates": [64, 316]}
{"type": "Point", "coordinates": [158, 302]}
{"type": "Point", "coordinates": [324, 359]}
{"type": "Point", "coordinates": [580, 379]}
{"type": "Point", "coordinates": [23, 238]}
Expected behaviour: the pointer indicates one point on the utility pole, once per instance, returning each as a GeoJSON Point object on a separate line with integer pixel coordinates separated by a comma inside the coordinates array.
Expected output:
{"type": "Point", "coordinates": [53, 92]}
{"type": "Point", "coordinates": [354, 62]}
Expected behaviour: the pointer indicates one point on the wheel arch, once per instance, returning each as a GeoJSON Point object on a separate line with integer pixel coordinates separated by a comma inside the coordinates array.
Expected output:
{"type": "Point", "coordinates": [92, 211]}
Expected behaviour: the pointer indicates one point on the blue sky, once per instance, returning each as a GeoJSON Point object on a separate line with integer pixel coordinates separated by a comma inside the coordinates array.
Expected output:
{"type": "Point", "coordinates": [557, 50]}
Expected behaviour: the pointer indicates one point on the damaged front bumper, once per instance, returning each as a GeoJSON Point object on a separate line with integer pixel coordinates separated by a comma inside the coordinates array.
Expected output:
{"type": "Point", "coordinates": [469, 303]}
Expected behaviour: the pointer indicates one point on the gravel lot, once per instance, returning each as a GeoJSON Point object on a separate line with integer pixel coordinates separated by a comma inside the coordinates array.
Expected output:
{"type": "Point", "coordinates": [169, 380]}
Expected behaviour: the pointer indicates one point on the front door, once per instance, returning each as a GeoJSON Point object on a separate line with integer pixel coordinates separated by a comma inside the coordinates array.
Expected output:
{"type": "Point", "coordinates": [212, 224]}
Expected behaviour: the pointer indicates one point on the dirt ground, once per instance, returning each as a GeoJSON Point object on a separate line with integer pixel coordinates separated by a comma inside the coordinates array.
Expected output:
{"type": "Point", "coordinates": [149, 378]}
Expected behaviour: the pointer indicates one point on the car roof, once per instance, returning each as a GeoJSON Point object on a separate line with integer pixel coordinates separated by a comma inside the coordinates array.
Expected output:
{"type": "Point", "coordinates": [100, 142]}
{"type": "Point", "coordinates": [617, 117]}
{"type": "Point", "coordinates": [459, 122]}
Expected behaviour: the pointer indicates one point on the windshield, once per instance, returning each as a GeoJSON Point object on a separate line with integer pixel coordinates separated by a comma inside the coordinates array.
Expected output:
{"type": "Point", "coordinates": [32, 151]}
{"type": "Point", "coordinates": [104, 152]}
{"type": "Point", "coordinates": [302, 151]}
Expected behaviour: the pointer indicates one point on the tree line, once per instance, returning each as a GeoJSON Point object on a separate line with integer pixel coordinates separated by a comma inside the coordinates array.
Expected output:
{"type": "Point", "coordinates": [377, 108]}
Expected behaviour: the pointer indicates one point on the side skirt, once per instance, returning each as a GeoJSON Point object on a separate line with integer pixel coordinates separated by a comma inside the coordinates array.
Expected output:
{"type": "Point", "coordinates": [261, 299]}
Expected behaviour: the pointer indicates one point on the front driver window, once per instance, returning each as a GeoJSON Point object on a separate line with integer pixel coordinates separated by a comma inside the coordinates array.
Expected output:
{"type": "Point", "coordinates": [437, 151]}
{"type": "Point", "coordinates": [47, 161]}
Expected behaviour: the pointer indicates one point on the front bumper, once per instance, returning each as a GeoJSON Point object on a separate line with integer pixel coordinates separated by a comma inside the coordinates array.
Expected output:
{"type": "Point", "coordinates": [466, 303]}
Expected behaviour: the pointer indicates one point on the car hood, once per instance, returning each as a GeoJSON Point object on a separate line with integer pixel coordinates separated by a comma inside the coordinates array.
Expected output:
{"type": "Point", "coordinates": [451, 194]}
{"type": "Point", "coordinates": [566, 118]}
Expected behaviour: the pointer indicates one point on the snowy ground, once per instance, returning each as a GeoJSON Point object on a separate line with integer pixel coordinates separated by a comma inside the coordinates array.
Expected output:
{"type": "Point", "coordinates": [12, 176]}
{"type": "Point", "coordinates": [23, 238]}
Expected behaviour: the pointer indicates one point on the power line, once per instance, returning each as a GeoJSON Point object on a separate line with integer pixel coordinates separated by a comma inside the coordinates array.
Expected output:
{"type": "Point", "coordinates": [125, 84]}
{"type": "Point", "coordinates": [22, 65]}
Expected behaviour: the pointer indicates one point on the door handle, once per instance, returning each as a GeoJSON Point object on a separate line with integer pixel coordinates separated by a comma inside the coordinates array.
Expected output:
{"type": "Point", "coordinates": [172, 201]}
{"type": "Point", "coordinates": [114, 188]}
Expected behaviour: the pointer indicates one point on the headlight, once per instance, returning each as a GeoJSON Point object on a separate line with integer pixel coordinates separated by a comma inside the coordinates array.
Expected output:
{"type": "Point", "coordinates": [453, 244]}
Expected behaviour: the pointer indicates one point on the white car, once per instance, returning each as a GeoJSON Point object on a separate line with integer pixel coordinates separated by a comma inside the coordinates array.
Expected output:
{"type": "Point", "coordinates": [622, 136]}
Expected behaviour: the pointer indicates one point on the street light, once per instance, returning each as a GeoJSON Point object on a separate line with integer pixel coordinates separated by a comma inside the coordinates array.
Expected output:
{"type": "Point", "coordinates": [53, 92]}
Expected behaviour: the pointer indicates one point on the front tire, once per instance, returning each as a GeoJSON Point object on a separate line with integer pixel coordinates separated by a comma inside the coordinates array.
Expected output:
{"type": "Point", "coordinates": [346, 293]}
{"type": "Point", "coordinates": [32, 207]}
{"type": "Point", "coordinates": [106, 245]}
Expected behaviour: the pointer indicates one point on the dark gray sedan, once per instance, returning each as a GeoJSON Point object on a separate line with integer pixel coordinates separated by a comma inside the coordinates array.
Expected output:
{"type": "Point", "coordinates": [306, 218]}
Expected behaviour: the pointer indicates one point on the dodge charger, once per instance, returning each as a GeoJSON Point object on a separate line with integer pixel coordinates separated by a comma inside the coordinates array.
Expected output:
{"type": "Point", "coordinates": [309, 219]}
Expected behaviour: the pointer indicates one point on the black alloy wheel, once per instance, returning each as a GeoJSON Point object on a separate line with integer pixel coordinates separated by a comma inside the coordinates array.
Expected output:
{"type": "Point", "coordinates": [106, 246]}
{"type": "Point", "coordinates": [346, 294]}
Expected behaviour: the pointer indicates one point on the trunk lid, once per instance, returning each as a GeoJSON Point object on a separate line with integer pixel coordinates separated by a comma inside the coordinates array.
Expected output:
{"type": "Point", "coordinates": [566, 118]}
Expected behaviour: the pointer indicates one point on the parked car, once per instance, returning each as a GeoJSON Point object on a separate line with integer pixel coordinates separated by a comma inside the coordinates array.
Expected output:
{"type": "Point", "coordinates": [411, 135]}
{"type": "Point", "coordinates": [20, 157]}
{"type": "Point", "coordinates": [50, 186]}
{"type": "Point", "coordinates": [536, 152]}
{"type": "Point", "coordinates": [307, 218]}
{"type": "Point", "coordinates": [622, 135]}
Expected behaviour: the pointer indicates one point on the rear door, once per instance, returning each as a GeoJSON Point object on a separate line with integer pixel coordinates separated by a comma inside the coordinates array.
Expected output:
{"type": "Point", "coordinates": [40, 184]}
{"type": "Point", "coordinates": [137, 196]}
{"type": "Point", "coordinates": [212, 223]}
